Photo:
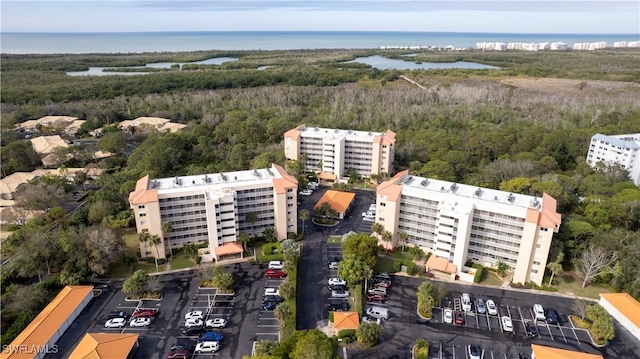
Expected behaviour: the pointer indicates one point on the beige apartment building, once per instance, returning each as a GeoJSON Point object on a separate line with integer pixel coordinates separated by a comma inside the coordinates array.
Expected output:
{"type": "Point", "coordinates": [213, 208]}
{"type": "Point", "coordinates": [335, 152]}
{"type": "Point", "coordinates": [459, 222]}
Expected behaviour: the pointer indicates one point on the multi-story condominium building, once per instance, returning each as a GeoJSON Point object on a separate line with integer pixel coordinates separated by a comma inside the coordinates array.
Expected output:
{"type": "Point", "coordinates": [214, 208]}
{"type": "Point", "coordinates": [623, 150]}
{"type": "Point", "coordinates": [461, 222]}
{"type": "Point", "coordinates": [339, 151]}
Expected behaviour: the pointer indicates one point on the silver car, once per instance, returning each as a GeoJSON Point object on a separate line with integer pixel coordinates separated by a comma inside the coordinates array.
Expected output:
{"type": "Point", "coordinates": [480, 308]}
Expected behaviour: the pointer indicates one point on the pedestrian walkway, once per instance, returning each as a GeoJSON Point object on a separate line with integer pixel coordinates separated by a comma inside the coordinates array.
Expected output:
{"type": "Point", "coordinates": [507, 281]}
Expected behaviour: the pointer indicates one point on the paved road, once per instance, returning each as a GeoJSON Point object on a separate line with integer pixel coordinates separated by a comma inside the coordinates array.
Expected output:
{"type": "Point", "coordinates": [313, 296]}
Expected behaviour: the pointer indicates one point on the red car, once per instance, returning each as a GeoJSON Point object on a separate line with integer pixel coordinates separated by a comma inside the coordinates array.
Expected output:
{"type": "Point", "coordinates": [459, 318]}
{"type": "Point", "coordinates": [274, 273]}
{"type": "Point", "coordinates": [375, 298]}
{"type": "Point", "coordinates": [179, 354]}
{"type": "Point", "coordinates": [145, 313]}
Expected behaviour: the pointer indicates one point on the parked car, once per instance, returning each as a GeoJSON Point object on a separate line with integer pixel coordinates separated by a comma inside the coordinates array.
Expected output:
{"type": "Point", "coordinates": [337, 281]}
{"type": "Point", "coordinates": [276, 265]}
{"type": "Point", "coordinates": [115, 323]}
{"type": "Point", "coordinates": [313, 185]}
{"type": "Point", "coordinates": [376, 297]}
{"type": "Point", "coordinates": [306, 192]}
{"type": "Point", "coordinates": [473, 351]}
{"type": "Point", "coordinates": [272, 298]}
{"type": "Point", "coordinates": [382, 276]}
{"type": "Point", "coordinates": [140, 322]}
{"type": "Point", "coordinates": [492, 309]}
{"type": "Point", "coordinates": [552, 316]}
{"type": "Point", "coordinates": [145, 313]}
{"type": "Point", "coordinates": [448, 315]}
{"type": "Point", "coordinates": [216, 323]}
{"type": "Point", "coordinates": [339, 294]}
{"type": "Point", "coordinates": [480, 308]}
{"type": "Point", "coordinates": [193, 331]}
{"type": "Point", "coordinates": [271, 291]}
{"type": "Point", "coordinates": [338, 306]}
{"type": "Point", "coordinates": [269, 305]}
{"type": "Point", "coordinates": [466, 302]}
{"type": "Point", "coordinates": [207, 347]}
{"type": "Point", "coordinates": [274, 274]}
{"type": "Point", "coordinates": [372, 208]}
{"type": "Point", "coordinates": [210, 336]}
{"type": "Point", "coordinates": [507, 325]}
{"type": "Point", "coordinates": [196, 314]}
{"type": "Point", "coordinates": [380, 291]}
{"type": "Point", "coordinates": [183, 345]}
{"type": "Point", "coordinates": [538, 312]}
{"type": "Point", "coordinates": [369, 218]}
{"type": "Point", "coordinates": [532, 329]}
{"type": "Point", "coordinates": [368, 319]}
{"type": "Point", "coordinates": [381, 283]}
{"type": "Point", "coordinates": [192, 322]}
{"type": "Point", "coordinates": [119, 314]}
{"type": "Point", "coordinates": [179, 354]}
{"type": "Point", "coordinates": [333, 265]}
{"type": "Point", "coordinates": [459, 318]}
{"type": "Point", "coordinates": [338, 287]}
{"type": "Point", "coordinates": [368, 214]}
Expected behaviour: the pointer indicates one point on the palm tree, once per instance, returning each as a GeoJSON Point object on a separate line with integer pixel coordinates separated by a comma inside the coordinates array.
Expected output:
{"type": "Point", "coordinates": [147, 239]}
{"type": "Point", "coordinates": [167, 227]}
{"type": "Point", "coordinates": [251, 218]}
{"type": "Point", "coordinates": [244, 239]}
{"type": "Point", "coordinates": [304, 216]}
{"type": "Point", "coordinates": [403, 237]}
{"type": "Point", "coordinates": [386, 237]}
{"type": "Point", "coordinates": [377, 228]}
{"type": "Point", "coordinates": [269, 234]}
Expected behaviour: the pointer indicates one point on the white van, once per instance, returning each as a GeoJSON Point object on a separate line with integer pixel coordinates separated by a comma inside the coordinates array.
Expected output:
{"type": "Point", "coordinates": [377, 312]}
{"type": "Point", "coordinates": [466, 302]}
{"type": "Point", "coordinates": [538, 312]}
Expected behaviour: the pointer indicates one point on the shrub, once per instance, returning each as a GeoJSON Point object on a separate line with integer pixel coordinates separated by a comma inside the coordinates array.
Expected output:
{"type": "Point", "coordinates": [271, 248]}
{"type": "Point", "coordinates": [422, 353]}
{"type": "Point", "coordinates": [331, 317]}
{"type": "Point", "coordinates": [479, 271]}
{"type": "Point", "coordinates": [411, 267]}
{"type": "Point", "coordinates": [347, 333]}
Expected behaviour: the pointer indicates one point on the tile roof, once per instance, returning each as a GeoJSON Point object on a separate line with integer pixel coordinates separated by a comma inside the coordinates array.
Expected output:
{"type": "Point", "coordinates": [327, 176]}
{"type": "Point", "coordinates": [346, 320]}
{"type": "Point", "coordinates": [228, 248]}
{"type": "Point", "coordinates": [544, 352]}
{"type": "Point", "coordinates": [44, 145]}
{"type": "Point", "coordinates": [625, 304]}
{"type": "Point", "coordinates": [287, 180]}
{"type": "Point", "coordinates": [340, 201]}
{"type": "Point", "coordinates": [50, 320]}
{"type": "Point", "coordinates": [441, 264]}
{"type": "Point", "coordinates": [105, 346]}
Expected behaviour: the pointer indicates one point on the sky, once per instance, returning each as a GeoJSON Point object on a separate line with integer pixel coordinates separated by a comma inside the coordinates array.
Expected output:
{"type": "Point", "coordinates": [502, 16]}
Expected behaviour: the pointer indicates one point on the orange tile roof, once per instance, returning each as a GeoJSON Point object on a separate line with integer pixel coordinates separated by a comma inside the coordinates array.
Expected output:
{"type": "Point", "coordinates": [294, 133]}
{"type": "Point", "coordinates": [441, 265]}
{"type": "Point", "coordinates": [625, 304]}
{"type": "Point", "coordinates": [327, 176]}
{"type": "Point", "coordinates": [42, 328]}
{"type": "Point", "coordinates": [340, 201]}
{"type": "Point", "coordinates": [141, 194]}
{"type": "Point", "coordinates": [287, 180]}
{"type": "Point", "coordinates": [549, 218]}
{"type": "Point", "coordinates": [105, 346]}
{"type": "Point", "coordinates": [543, 352]}
{"type": "Point", "coordinates": [346, 320]}
{"type": "Point", "coordinates": [390, 188]}
{"type": "Point", "coordinates": [229, 248]}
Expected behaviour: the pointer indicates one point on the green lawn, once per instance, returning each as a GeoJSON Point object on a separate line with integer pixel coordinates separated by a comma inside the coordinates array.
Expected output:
{"type": "Point", "coordinates": [385, 261]}
{"type": "Point", "coordinates": [490, 278]}
{"type": "Point", "coordinates": [180, 260]}
{"type": "Point", "coordinates": [568, 283]}
{"type": "Point", "coordinates": [356, 300]}
{"type": "Point", "coordinates": [131, 249]}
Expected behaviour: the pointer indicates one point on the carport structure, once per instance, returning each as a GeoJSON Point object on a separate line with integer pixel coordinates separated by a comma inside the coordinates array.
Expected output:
{"type": "Point", "coordinates": [339, 201]}
{"type": "Point", "coordinates": [228, 249]}
{"type": "Point", "coordinates": [624, 308]}
{"type": "Point", "coordinates": [441, 268]}
{"type": "Point", "coordinates": [107, 346]}
{"type": "Point", "coordinates": [346, 320]}
{"type": "Point", "coordinates": [544, 352]}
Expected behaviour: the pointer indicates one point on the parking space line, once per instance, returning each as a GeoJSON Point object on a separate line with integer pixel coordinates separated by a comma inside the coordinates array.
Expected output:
{"type": "Point", "coordinates": [477, 322]}
{"type": "Point", "coordinates": [576, 336]}
{"type": "Point", "coordinates": [524, 327]}
{"type": "Point", "coordinates": [488, 321]}
{"type": "Point", "coordinates": [453, 350]}
{"type": "Point", "coordinates": [551, 335]}
{"type": "Point", "coordinates": [561, 332]}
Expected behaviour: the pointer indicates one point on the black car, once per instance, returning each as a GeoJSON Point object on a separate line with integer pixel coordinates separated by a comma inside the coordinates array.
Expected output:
{"type": "Point", "coordinates": [269, 305]}
{"type": "Point", "coordinates": [193, 330]}
{"type": "Point", "coordinates": [532, 329]}
{"type": "Point", "coordinates": [119, 314]}
{"type": "Point", "coordinates": [552, 316]}
{"type": "Point", "coordinates": [339, 306]}
{"type": "Point", "coordinates": [272, 298]}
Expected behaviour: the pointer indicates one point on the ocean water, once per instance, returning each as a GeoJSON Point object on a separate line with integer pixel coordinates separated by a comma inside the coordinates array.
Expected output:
{"type": "Point", "coordinates": [75, 43]}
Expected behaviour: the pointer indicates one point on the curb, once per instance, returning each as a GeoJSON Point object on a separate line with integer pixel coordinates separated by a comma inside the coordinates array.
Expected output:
{"type": "Point", "coordinates": [593, 342]}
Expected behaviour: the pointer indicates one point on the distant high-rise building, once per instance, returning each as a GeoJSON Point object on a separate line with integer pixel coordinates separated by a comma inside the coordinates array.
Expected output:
{"type": "Point", "coordinates": [623, 150]}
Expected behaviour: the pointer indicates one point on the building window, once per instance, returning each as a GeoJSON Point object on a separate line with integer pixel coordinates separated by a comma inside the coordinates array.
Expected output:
{"type": "Point", "coordinates": [143, 223]}
{"type": "Point", "coordinates": [544, 229]}
{"type": "Point", "coordinates": [141, 206]}
{"type": "Point", "coordinates": [142, 214]}
{"type": "Point", "coordinates": [538, 246]}
{"type": "Point", "coordinates": [536, 263]}
{"type": "Point", "coordinates": [534, 271]}
{"type": "Point", "coordinates": [383, 204]}
{"type": "Point", "coordinates": [381, 219]}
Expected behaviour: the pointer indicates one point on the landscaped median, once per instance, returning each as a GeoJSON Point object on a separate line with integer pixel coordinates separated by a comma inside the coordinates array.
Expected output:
{"type": "Point", "coordinates": [596, 321]}
{"type": "Point", "coordinates": [286, 311]}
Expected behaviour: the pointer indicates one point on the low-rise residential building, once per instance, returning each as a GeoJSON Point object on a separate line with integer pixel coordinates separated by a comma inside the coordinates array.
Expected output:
{"type": "Point", "coordinates": [44, 145]}
{"type": "Point", "coordinates": [622, 150]}
{"type": "Point", "coordinates": [67, 124]}
{"type": "Point", "coordinates": [161, 124]}
{"type": "Point", "coordinates": [623, 308]}
{"type": "Point", "coordinates": [461, 222]}
{"type": "Point", "coordinates": [334, 151]}
{"type": "Point", "coordinates": [214, 209]}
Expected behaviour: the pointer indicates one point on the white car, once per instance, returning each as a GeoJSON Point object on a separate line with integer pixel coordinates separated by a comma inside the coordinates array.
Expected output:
{"type": "Point", "coordinates": [207, 347]}
{"type": "Point", "coordinates": [368, 319]}
{"type": "Point", "coordinates": [466, 302]}
{"type": "Point", "coordinates": [507, 326]}
{"type": "Point", "coordinates": [337, 281]}
{"type": "Point", "coordinates": [538, 312]}
{"type": "Point", "coordinates": [369, 219]}
{"type": "Point", "coordinates": [271, 291]}
{"type": "Point", "coordinates": [193, 322]}
{"type": "Point", "coordinates": [140, 322]}
{"type": "Point", "coordinates": [448, 316]}
{"type": "Point", "coordinates": [306, 192]}
{"type": "Point", "coordinates": [368, 214]}
{"type": "Point", "coordinates": [340, 294]}
{"type": "Point", "coordinates": [276, 265]}
{"type": "Point", "coordinates": [216, 323]}
{"type": "Point", "coordinates": [492, 309]}
{"type": "Point", "coordinates": [115, 323]}
{"type": "Point", "coordinates": [333, 265]}
{"type": "Point", "coordinates": [196, 314]}
{"type": "Point", "coordinates": [474, 352]}
{"type": "Point", "coordinates": [372, 208]}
